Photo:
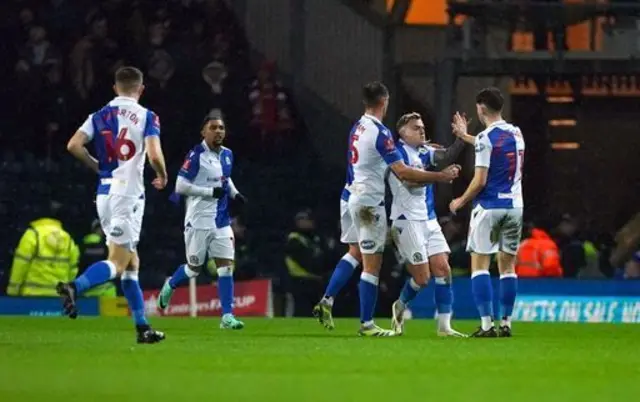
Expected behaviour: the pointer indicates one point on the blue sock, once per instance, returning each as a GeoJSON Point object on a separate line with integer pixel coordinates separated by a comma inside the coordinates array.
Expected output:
{"type": "Point", "coordinates": [182, 274]}
{"type": "Point", "coordinates": [341, 274]}
{"type": "Point", "coordinates": [409, 291]}
{"type": "Point", "coordinates": [133, 293]}
{"type": "Point", "coordinates": [96, 274]}
{"type": "Point", "coordinates": [443, 295]}
{"type": "Point", "coordinates": [482, 292]}
{"type": "Point", "coordinates": [368, 288]}
{"type": "Point", "coordinates": [225, 289]}
{"type": "Point", "coordinates": [508, 291]}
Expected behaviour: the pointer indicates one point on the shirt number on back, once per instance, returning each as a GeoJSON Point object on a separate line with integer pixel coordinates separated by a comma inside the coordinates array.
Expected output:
{"type": "Point", "coordinates": [353, 150]}
{"type": "Point", "coordinates": [511, 158]}
{"type": "Point", "coordinates": [121, 149]}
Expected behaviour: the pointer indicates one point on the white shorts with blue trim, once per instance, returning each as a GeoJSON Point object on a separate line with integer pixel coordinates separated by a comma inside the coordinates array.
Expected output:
{"type": "Point", "coordinates": [371, 227]}
{"type": "Point", "coordinates": [214, 242]}
{"type": "Point", "coordinates": [121, 218]}
{"type": "Point", "coordinates": [418, 240]}
{"type": "Point", "coordinates": [493, 230]}
{"type": "Point", "coordinates": [349, 233]}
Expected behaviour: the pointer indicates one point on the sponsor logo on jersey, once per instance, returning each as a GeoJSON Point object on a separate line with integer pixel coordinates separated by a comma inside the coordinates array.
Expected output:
{"type": "Point", "coordinates": [368, 244]}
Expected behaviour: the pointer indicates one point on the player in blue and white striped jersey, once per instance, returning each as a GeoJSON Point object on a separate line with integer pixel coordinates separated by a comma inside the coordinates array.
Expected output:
{"type": "Point", "coordinates": [415, 227]}
{"type": "Point", "coordinates": [205, 180]}
{"type": "Point", "coordinates": [496, 219]}
{"type": "Point", "coordinates": [122, 132]}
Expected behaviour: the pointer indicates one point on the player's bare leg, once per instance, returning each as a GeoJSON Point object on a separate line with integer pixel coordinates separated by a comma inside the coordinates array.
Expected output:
{"type": "Point", "coordinates": [419, 279]}
{"type": "Point", "coordinates": [368, 288]}
{"type": "Point", "coordinates": [225, 294]}
{"type": "Point", "coordinates": [341, 274]}
{"type": "Point", "coordinates": [508, 291]}
{"type": "Point", "coordinates": [441, 271]}
{"type": "Point", "coordinates": [483, 294]}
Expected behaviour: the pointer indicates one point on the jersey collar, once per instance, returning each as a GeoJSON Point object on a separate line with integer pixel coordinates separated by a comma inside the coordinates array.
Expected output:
{"type": "Point", "coordinates": [374, 118]}
{"type": "Point", "coordinates": [496, 123]}
{"type": "Point", "coordinates": [125, 99]}
{"type": "Point", "coordinates": [207, 149]}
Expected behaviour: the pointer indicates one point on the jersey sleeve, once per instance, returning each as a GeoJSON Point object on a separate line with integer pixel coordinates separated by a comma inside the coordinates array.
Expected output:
{"type": "Point", "coordinates": [191, 166]}
{"type": "Point", "coordinates": [483, 151]}
{"type": "Point", "coordinates": [152, 126]}
{"type": "Point", "coordinates": [87, 127]}
{"type": "Point", "coordinates": [386, 147]}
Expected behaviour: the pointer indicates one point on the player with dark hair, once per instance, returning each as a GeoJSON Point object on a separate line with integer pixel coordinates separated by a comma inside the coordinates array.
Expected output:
{"type": "Point", "coordinates": [122, 131]}
{"type": "Point", "coordinates": [371, 150]}
{"type": "Point", "coordinates": [205, 180]}
{"type": "Point", "coordinates": [496, 218]}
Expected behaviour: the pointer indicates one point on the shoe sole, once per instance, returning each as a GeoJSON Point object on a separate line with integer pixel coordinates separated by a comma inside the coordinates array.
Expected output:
{"type": "Point", "coordinates": [317, 313]}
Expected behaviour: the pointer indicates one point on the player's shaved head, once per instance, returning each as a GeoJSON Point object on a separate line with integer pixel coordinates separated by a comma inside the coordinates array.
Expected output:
{"type": "Point", "coordinates": [374, 94]}
{"type": "Point", "coordinates": [491, 98]}
{"type": "Point", "coordinates": [129, 80]}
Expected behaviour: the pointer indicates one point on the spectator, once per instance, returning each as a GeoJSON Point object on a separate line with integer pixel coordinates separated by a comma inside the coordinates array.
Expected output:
{"type": "Point", "coordinates": [572, 252]}
{"type": "Point", "coordinates": [37, 52]}
{"type": "Point", "coordinates": [246, 265]}
{"type": "Point", "coordinates": [271, 118]}
{"type": "Point", "coordinates": [304, 260]}
{"type": "Point", "coordinates": [538, 255]}
{"type": "Point", "coordinates": [632, 268]}
{"type": "Point", "coordinates": [45, 256]}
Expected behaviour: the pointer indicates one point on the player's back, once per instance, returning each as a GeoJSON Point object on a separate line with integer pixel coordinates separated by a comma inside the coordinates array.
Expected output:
{"type": "Point", "coordinates": [118, 131]}
{"type": "Point", "coordinates": [500, 148]}
{"type": "Point", "coordinates": [412, 203]}
{"type": "Point", "coordinates": [371, 148]}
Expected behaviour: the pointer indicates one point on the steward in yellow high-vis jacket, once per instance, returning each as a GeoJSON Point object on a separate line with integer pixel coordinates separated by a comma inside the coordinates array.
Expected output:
{"type": "Point", "coordinates": [45, 256]}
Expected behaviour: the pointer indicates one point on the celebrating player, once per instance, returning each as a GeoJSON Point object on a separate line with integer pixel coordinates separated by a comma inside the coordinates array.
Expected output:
{"type": "Point", "coordinates": [121, 132]}
{"type": "Point", "coordinates": [371, 150]}
{"type": "Point", "coordinates": [496, 219]}
{"type": "Point", "coordinates": [415, 227]}
{"type": "Point", "coordinates": [205, 178]}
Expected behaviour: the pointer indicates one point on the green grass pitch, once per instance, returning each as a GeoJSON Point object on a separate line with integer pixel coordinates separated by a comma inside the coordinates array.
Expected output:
{"type": "Point", "coordinates": [96, 359]}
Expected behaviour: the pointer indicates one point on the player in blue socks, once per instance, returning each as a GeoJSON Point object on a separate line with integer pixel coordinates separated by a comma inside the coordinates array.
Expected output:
{"type": "Point", "coordinates": [496, 219]}
{"type": "Point", "coordinates": [416, 231]}
{"type": "Point", "coordinates": [120, 200]}
{"type": "Point", "coordinates": [207, 224]}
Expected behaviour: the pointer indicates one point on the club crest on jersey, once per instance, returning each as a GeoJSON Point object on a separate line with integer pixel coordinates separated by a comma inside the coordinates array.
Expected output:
{"type": "Point", "coordinates": [368, 244]}
{"type": "Point", "coordinates": [389, 145]}
{"type": "Point", "coordinates": [417, 257]}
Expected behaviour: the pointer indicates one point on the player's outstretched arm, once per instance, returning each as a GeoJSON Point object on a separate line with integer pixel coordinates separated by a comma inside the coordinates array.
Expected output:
{"type": "Point", "coordinates": [418, 176]}
{"type": "Point", "coordinates": [459, 128]}
{"type": "Point", "coordinates": [446, 156]}
{"type": "Point", "coordinates": [156, 160]}
{"type": "Point", "coordinates": [76, 146]}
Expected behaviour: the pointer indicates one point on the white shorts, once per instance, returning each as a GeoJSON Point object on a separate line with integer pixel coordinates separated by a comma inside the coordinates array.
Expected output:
{"type": "Point", "coordinates": [216, 243]}
{"type": "Point", "coordinates": [493, 230]}
{"type": "Point", "coordinates": [371, 227]}
{"type": "Point", "coordinates": [121, 218]}
{"type": "Point", "coordinates": [418, 240]}
{"type": "Point", "coordinates": [349, 233]}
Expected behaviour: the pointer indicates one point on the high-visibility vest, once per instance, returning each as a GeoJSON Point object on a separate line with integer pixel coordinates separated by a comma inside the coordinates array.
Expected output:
{"type": "Point", "coordinates": [45, 256]}
{"type": "Point", "coordinates": [538, 256]}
